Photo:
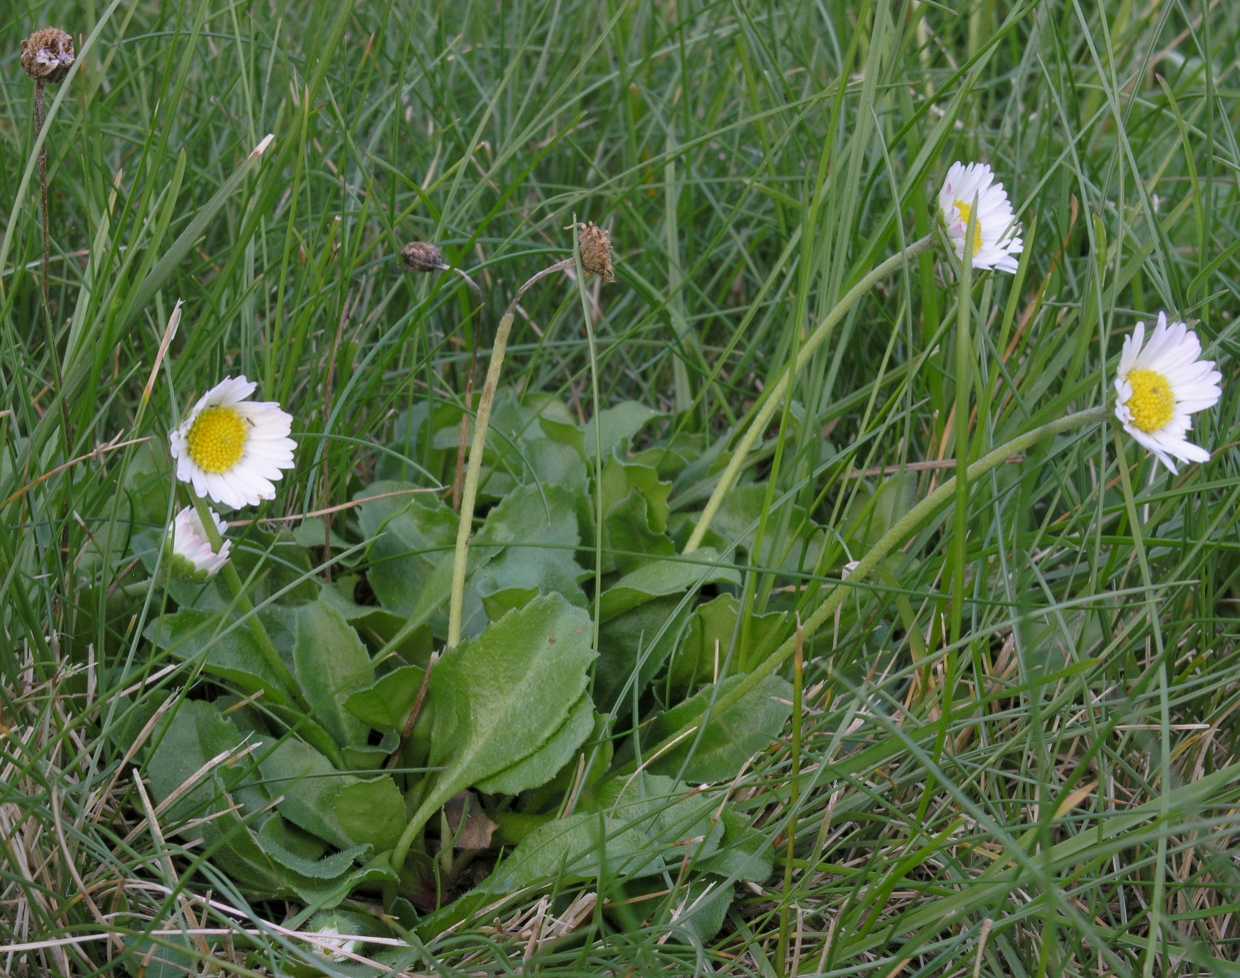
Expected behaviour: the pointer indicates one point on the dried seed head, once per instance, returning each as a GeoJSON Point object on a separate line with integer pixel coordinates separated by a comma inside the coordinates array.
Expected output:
{"type": "Point", "coordinates": [596, 251]}
{"type": "Point", "coordinates": [47, 55]}
{"type": "Point", "coordinates": [422, 256]}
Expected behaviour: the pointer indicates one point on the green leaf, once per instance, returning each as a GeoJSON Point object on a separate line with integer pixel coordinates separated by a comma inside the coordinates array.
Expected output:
{"type": "Point", "coordinates": [730, 737]}
{"type": "Point", "coordinates": [223, 649]}
{"type": "Point", "coordinates": [744, 853]}
{"type": "Point", "coordinates": [672, 816]}
{"type": "Point", "coordinates": [663, 577]}
{"type": "Point", "coordinates": [616, 425]}
{"type": "Point", "coordinates": [410, 551]}
{"type": "Point", "coordinates": [371, 811]}
{"type": "Point", "coordinates": [707, 647]}
{"type": "Point", "coordinates": [546, 762]}
{"type": "Point", "coordinates": [632, 827]}
{"type": "Point", "coordinates": [546, 522]}
{"type": "Point", "coordinates": [386, 703]}
{"type": "Point", "coordinates": [498, 698]}
{"type": "Point", "coordinates": [574, 848]}
{"type": "Point", "coordinates": [636, 644]}
{"type": "Point", "coordinates": [304, 854]}
{"type": "Point", "coordinates": [793, 541]}
{"type": "Point", "coordinates": [330, 663]}
{"type": "Point", "coordinates": [697, 915]}
{"type": "Point", "coordinates": [342, 809]}
{"type": "Point", "coordinates": [305, 783]}
{"type": "Point", "coordinates": [191, 736]}
{"type": "Point", "coordinates": [635, 515]}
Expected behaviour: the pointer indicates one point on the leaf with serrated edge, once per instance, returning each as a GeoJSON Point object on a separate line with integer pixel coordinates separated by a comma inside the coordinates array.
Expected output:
{"type": "Point", "coordinates": [731, 736]}
{"type": "Point", "coordinates": [662, 577]}
{"type": "Point", "coordinates": [546, 762]}
{"type": "Point", "coordinates": [498, 698]}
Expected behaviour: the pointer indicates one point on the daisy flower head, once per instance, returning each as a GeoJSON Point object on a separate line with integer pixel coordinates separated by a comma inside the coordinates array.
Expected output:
{"type": "Point", "coordinates": [232, 449]}
{"type": "Point", "coordinates": [1162, 383]}
{"type": "Point", "coordinates": [996, 232]}
{"type": "Point", "coordinates": [192, 554]}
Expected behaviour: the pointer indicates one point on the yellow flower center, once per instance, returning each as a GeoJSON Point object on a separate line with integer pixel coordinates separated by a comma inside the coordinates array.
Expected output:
{"type": "Point", "coordinates": [217, 439]}
{"type": "Point", "coordinates": [1152, 403]}
{"type": "Point", "coordinates": [966, 211]}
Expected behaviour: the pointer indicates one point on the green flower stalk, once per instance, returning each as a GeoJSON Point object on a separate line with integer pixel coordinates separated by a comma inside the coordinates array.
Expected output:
{"type": "Point", "coordinates": [774, 395]}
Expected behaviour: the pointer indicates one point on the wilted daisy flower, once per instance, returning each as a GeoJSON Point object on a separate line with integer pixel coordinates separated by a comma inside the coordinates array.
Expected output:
{"type": "Point", "coordinates": [1160, 386]}
{"type": "Point", "coordinates": [995, 229]}
{"type": "Point", "coordinates": [192, 553]}
{"type": "Point", "coordinates": [231, 449]}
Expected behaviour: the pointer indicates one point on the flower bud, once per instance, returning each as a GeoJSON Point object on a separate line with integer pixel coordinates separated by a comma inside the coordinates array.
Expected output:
{"type": "Point", "coordinates": [595, 246]}
{"type": "Point", "coordinates": [47, 55]}
{"type": "Point", "coordinates": [193, 557]}
{"type": "Point", "coordinates": [422, 256]}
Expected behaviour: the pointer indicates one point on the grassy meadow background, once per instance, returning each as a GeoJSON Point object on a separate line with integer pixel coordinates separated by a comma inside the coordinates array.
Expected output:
{"type": "Point", "coordinates": [1054, 792]}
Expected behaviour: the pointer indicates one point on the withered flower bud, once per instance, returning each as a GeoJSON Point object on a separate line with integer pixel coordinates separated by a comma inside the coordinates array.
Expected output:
{"type": "Point", "coordinates": [596, 251]}
{"type": "Point", "coordinates": [47, 55]}
{"type": "Point", "coordinates": [422, 256]}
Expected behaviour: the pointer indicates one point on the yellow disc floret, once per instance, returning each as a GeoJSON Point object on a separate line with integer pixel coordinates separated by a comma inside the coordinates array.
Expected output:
{"type": "Point", "coordinates": [217, 439]}
{"type": "Point", "coordinates": [1152, 403]}
{"type": "Point", "coordinates": [966, 211]}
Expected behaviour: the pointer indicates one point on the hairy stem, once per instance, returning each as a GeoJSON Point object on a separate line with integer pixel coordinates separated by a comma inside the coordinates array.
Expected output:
{"type": "Point", "coordinates": [460, 559]}
{"type": "Point", "coordinates": [774, 395]}
{"type": "Point", "coordinates": [249, 615]}
{"type": "Point", "coordinates": [38, 128]}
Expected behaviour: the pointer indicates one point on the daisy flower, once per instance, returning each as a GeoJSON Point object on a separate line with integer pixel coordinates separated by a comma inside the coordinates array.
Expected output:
{"type": "Point", "coordinates": [996, 232]}
{"type": "Point", "coordinates": [231, 449]}
{"type": "Point", "coordinates": [332, 944]}
{"type": "Point", "coordinates": [1160, 386]}
{"type": "Point", "coordinates": [192, 554]}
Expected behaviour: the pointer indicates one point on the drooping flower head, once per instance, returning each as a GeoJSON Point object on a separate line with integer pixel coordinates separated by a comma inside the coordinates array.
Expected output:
{"type": "Point", "coordinates": [192, 553]}
{"type": "Point", "coordinates": [1160, 385]}
{"type": "Point", "coordinates": [232, 449]}
{"type": "Point", "coordinates": [996, 232]}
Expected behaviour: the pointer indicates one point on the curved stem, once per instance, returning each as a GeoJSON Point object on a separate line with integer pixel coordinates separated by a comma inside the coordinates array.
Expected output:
{"type": "Point", "coordinates": [899, 531]}
{"type": "Point", "coordinates": [775, 394]}
{"type": "Point", "coordinates": [249, 615]}
{"type": "Point", "coordinates": [460, 559]}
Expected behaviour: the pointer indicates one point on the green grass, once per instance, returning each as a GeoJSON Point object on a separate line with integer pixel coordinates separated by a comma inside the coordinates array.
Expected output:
{"type": "Point", "coordinates": [1017, 750]}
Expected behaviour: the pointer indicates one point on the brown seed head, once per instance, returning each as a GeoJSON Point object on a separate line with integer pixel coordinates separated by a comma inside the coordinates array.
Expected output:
{"type": "Point", "coordinates": [422, 256]}
{"type": "Point", "coordinates": [47, 55]}
{"type": "Point", "coordinates": [596, 251]}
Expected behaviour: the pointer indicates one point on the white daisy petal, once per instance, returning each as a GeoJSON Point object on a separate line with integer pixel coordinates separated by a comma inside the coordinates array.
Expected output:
{"type": "Point", "coordinates": [192, 553]}
{"type": "Point", "coordinates": [1160, 385]}
{"type": "Point", "coordinates": [971, 193]}
{"type": "Point", "coordinates": [232, 449]}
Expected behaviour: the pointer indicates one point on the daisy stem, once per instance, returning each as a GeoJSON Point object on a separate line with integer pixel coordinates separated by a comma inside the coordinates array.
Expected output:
{"type": "Point", "coordinates": [773, 397]}
{"type": "Point", "coordinates": [903, 528]}
{"type": "Point", "coordinates": [460, 560]}
{"type": "Point", "coordinates": [248, 613]}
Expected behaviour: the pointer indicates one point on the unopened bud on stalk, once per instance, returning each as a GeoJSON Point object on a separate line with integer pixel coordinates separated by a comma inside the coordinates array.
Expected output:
{"type": "Point", "coordinates": [595, 246]}
{"type": "Point", "coordinates": [422, 256]}
{"type": "Point", "coordinates": [47, 55]}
